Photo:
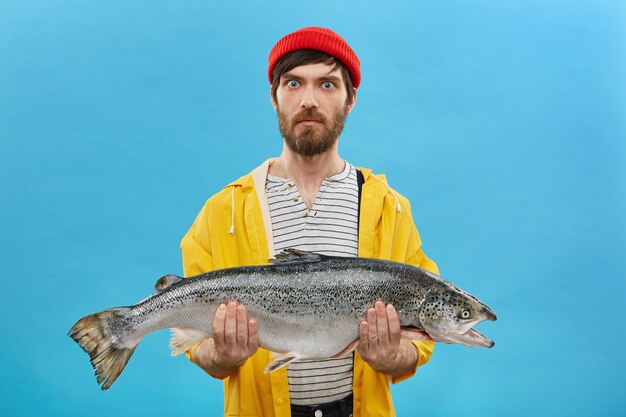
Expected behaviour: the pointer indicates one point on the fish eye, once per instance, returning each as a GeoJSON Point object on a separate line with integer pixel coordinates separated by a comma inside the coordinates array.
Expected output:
{"type": "Point", "coordinates": [465, 314]}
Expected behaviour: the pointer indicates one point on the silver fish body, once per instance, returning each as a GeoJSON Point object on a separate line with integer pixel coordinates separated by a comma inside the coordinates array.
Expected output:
{"type": "Point", "coordinates": [307, 306]}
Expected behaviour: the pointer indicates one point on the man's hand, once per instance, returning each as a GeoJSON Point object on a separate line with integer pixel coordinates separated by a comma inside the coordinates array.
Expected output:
{"type": "Point", "coordinates": [235, 339]}
{"type": "Point", "coordinates": [381, 344]}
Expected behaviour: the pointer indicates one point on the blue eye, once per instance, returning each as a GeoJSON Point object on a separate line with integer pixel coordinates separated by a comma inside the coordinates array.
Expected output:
{"type": "Point", "coordinates": [292, 84]}
{"type": "Point", "coordinates": [327, 85]}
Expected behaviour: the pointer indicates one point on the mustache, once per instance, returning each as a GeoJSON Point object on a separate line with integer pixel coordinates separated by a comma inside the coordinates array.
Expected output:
{"type": "Point", "coordinates": [308, 114]}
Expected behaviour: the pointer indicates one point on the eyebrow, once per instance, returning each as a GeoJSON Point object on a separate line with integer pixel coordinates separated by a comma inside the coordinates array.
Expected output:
{"type": "Point", "coordinates": [333, 78]}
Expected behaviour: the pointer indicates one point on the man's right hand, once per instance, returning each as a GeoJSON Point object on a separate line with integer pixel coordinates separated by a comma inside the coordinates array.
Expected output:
{"type": "Point", "coordinates": [235, 339]}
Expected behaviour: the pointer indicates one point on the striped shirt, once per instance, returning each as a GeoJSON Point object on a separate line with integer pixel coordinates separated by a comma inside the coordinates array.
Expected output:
{"type": "Point", "coordinates": [329, 228]}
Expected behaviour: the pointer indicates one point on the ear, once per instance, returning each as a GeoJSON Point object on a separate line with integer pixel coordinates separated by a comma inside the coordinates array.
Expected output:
{"type": "Point", "coordinates": [353, 102]}
{"type": "Point", "coordinates": [274, 104]}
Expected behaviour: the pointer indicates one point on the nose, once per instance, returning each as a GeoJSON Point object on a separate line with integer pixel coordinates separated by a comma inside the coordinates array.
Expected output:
{"type": "Point", "coordinates": [308, 99]}
{"type": "Point", "coordinates": [491, 315]}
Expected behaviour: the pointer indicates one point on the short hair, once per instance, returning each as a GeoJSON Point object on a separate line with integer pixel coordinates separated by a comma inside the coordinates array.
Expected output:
{"type": "Point", "coordinates": [305, 57]}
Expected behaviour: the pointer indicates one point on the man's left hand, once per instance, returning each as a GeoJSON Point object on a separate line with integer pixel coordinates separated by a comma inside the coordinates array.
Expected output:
{"type": "Point", "coordinates": [380, 341]}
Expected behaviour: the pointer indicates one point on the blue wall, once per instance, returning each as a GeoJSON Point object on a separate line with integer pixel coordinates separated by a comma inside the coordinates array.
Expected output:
{"type": "Point", "coordinates": [503, 122]}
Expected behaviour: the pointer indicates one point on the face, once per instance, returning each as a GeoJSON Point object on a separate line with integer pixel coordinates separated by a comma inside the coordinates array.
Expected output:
{"type": "Point", "coordinates": [449, 314]}
{"type": "Point", "coordinates": [312, 108]}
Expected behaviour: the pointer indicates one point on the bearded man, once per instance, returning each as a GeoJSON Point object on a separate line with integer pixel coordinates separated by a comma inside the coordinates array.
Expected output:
{"type": "Point", "coordinates": [308, 198]}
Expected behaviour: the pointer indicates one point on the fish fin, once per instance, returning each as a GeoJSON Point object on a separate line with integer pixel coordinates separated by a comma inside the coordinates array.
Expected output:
{"type": "Point", "coordinates": [416, 334]}
{"type": "Point", "coordinates": [90, 333]}
{"type": "Point", "coordinates": [294, 256]}
{"type": "Point", "coordinates": [166, 282]}
{"type": "Point", "coordinates": [348, 349]}
{"type": "Point", "coordinates": [183, 339]}
{"type": "Point", "coordinates": [280, 360]}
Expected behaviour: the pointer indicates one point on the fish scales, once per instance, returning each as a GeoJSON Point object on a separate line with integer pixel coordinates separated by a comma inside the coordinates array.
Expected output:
{"type": "Point", "coordinates": [314, 292]}
{"type": "Point", "coordinates": [307, 306]}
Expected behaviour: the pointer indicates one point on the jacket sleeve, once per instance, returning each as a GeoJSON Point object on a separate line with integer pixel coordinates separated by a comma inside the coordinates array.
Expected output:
{"type": "Point", "coordinates": [196, 245]}
{"type": "Point", "coordinates": [415, 256]}
{"type": "Point", "coordinates": [196, 251]}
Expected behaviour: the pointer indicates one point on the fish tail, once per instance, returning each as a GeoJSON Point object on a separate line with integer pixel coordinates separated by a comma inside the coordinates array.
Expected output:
{"type": "Point", "coordinates": [107, 359]}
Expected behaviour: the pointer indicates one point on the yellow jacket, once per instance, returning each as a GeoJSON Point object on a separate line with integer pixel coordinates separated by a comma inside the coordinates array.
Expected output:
{"type": "Point", "coordinates": [234, 228]}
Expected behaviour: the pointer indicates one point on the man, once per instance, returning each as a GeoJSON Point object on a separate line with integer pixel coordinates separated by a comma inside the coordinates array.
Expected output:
{"type": "Point", "coordinates": [308, 199]}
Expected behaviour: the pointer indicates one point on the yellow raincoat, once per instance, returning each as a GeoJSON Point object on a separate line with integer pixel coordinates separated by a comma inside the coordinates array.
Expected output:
{"type": "Point", "coordinates": [234, 229]}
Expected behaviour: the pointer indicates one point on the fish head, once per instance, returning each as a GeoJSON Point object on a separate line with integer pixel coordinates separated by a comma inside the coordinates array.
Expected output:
{"type": "Point", "coordinates": [448, 315]}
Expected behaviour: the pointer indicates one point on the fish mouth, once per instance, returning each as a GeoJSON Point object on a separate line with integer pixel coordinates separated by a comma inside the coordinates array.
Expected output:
{"type": "Point", "coordinates": [470, 338]}
{"type": "Point", "coordinates": [473, 338]}
{"type": "Point", "coordinates": [464, 334]}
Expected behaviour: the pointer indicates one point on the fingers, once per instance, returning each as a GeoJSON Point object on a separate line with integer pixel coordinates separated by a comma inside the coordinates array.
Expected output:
{"type": "Point", "coordinates": [218, 323]}
{"type": "Point", "coordinates": [382, 324]}
{"type": "Point", "coordinates": [253, 336]}
{"type": "Point", "coordinates": [378, 325]}
{"type": "Point", "coordinates": [372, 325]}
{"type": "Point", "coordinates": [232, 329]}
{"type": "Point", "coordinates": [395, 332]}
{"type": "Point", "coordinates": [242, 325]}
{"type": "Point", "coordinates": [363, 337]}
{"type": "Point", "coordinates": [235, 338]}
{"type": "Point", "coordinates": [380, 333]}
{"type": "Point", "coordinates": [230, 325]}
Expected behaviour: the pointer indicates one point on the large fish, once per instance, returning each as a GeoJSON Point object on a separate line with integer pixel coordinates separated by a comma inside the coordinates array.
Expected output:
{"type": "Point", "coordinates": [307, 306]}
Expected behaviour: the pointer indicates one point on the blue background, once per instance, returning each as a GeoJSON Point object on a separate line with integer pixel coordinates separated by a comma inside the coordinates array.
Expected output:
{"type": "Point", "coordinates": [503, 122]}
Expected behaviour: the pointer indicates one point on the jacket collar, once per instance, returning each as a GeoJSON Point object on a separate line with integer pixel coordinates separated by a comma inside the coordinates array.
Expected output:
{"type": "Point", "coordinates": [256, 177]}
{"type": "Point", "coordinates": [255, 181]}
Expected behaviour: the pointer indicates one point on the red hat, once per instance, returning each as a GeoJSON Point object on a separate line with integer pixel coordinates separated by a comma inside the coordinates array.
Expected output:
{"type": "Point", "coordinates": [320, 39]}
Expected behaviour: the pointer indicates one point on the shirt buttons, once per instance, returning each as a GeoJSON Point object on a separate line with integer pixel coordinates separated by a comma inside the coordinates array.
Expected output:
{"type": "Point", "coordinates": [318, 413]}
{"type": "Point", "coordinates": [279, 400]}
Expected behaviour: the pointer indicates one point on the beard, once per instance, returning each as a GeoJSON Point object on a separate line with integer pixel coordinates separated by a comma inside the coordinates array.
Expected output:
{"type": "Point", "coordinates": [309, 140]}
